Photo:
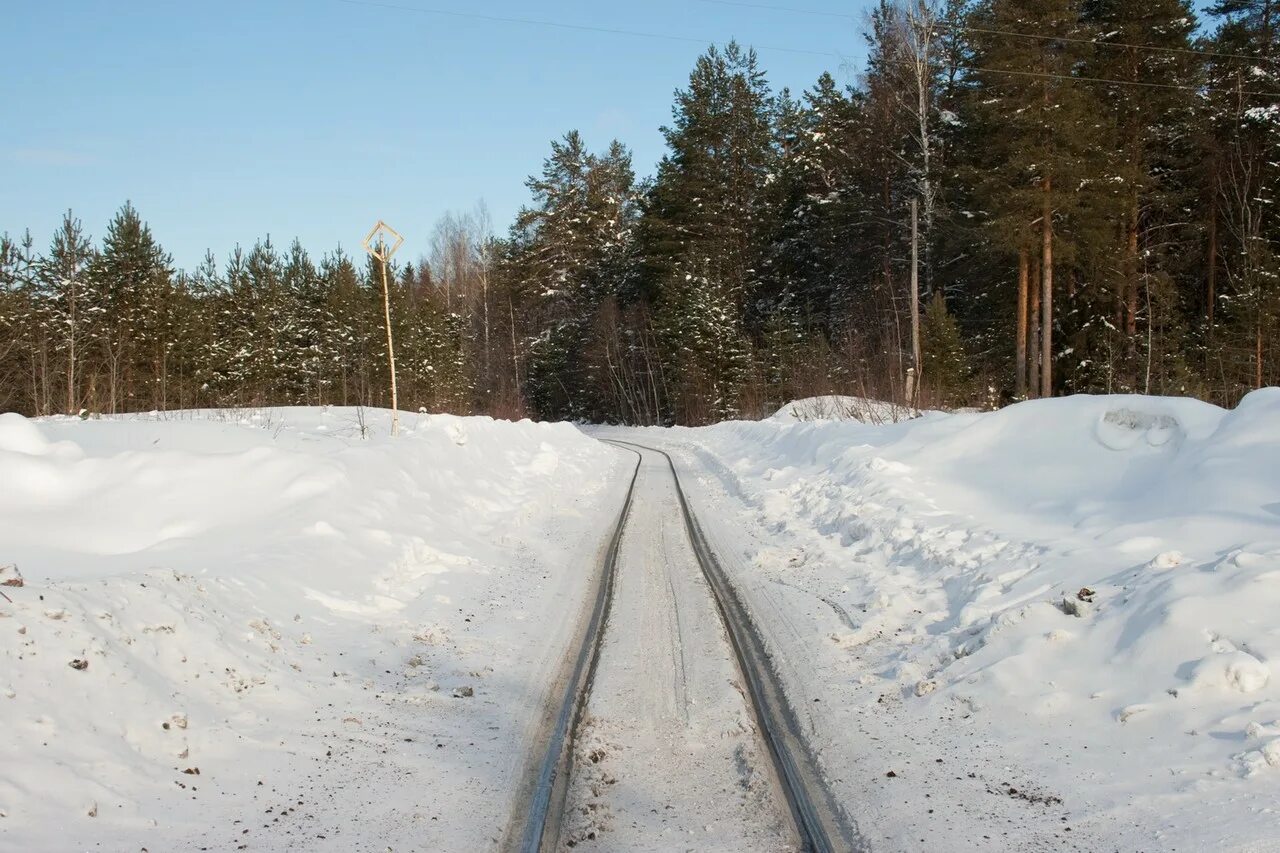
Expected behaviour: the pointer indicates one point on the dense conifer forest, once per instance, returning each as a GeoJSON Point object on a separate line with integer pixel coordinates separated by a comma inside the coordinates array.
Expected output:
{"type": "Point", "coordinates": [1096, 184]}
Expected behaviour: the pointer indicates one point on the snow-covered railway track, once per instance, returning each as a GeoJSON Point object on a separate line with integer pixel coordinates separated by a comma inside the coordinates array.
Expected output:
{"type": "Point", "coordinates": [679, 725]}
{"type": "Point", "coordinates": [540, 805]}
{"type": "Point", "coordinates": [819, 821]}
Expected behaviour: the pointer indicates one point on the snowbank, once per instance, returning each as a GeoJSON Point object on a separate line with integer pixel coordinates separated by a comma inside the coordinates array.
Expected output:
{"type": "Point", "coordinates": [262, 628]}
{"type": "Point", "coordinates": [1077, 598]}
{"type": "Point", "coordinates": [836, 407]}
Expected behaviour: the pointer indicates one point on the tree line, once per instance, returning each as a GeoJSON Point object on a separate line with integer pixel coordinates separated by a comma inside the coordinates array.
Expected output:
{"type": "Point", "coordinates": [1095, 179]}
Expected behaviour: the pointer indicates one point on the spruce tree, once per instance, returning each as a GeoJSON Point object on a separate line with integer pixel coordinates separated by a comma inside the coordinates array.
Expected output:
{"type": "Point", "coordinates": [947, 372]}
{"type": "Point", "coordinates": [131, 274]}
{"type": "Point", "coordinates": [825, 238]}
{"type": "Point", "coordinates": [574, 248]}
{"type": "Point", "coordinates": [346, 333]}
{"type": "Point", "coordinates": [821, 203]}
{"type": "Point", "coordinates": [207, 345]}
{"type": "Point", "coordinates": [302, 341]}
{"type": "Point", "coordinates": [28, 324]}
{"type": "Point", "coordinates": [1243, 82]}
{"type": "Point", "coordinates": [64, 272]}
{"type": "Point", "coordinates": [12, 313]}
{"type": "Point", "coordinates": [709, 215]}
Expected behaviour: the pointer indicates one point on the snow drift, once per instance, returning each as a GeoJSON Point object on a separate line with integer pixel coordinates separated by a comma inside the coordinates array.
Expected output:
{"type": "Point", "coordinates": [1080, 592]}
{"type": "Point", "coordinates": [281, 629]}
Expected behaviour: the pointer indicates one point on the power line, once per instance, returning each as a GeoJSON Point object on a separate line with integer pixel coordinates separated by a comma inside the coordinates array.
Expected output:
{"type": "Point", "coordinates": [476, 16]}
{"type": "Point", "coordinates": [842, 15]}
{"type": "Point", "coordinates": [986, 31]}
{"type": "Point", "coordinates": [1185, 51]}
{"type": "Point", "coordinates": [561, 25]}
{"type": "Point", "coordinates": [1142, 84]}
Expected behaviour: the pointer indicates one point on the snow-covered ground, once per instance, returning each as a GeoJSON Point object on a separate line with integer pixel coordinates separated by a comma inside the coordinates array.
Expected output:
{"type": "Point", "coordinates": [259, 630]}
{"type": "Point", "coordinates": [1056, 626]}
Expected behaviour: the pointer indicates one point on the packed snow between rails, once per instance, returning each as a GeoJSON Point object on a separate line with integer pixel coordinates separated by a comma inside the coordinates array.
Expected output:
{"type": "Point", "coordinates": [668, 756]}
{"type": "Point", "coordinates": [1056, 626]}
{"type": "Point", "coordinates": [261, 631]}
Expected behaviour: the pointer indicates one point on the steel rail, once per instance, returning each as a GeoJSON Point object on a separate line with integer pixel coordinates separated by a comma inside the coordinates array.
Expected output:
{"type": "Point", "coordinates": [541, 830]}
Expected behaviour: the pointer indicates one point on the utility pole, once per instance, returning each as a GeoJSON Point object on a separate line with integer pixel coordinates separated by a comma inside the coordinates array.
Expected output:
{"type": "Point", "coordinates": [915, 374]}
{"type": "Point", "coordinates": [375, 243]}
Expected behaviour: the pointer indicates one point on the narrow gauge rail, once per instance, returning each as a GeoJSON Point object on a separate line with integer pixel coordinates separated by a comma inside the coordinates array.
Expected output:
{"type": "Point", "coordinates": [545, 795]}
{"type": "Point", "coordinates": [820, 824]}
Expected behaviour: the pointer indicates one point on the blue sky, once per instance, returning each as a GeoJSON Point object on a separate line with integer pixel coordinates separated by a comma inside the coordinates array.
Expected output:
{"type": "Point", "coordinates": [224, 121]}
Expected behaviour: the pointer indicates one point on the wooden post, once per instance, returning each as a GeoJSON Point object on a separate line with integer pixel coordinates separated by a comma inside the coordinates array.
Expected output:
{"type": "Point", "coordinates": [391, 349]}
{"type": "Point", "coordinates": [383, 253]}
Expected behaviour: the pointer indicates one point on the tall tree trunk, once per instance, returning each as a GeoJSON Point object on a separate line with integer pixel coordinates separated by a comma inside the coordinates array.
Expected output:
{"type": "Point", "coordinates": [35, 384]}
{"type": "Point", "coordinates": [45, 404]}
{"type": "Point", "coordinates": [515, 352]}
{"type": "Point", "coordinates": [1211, 296]}
{"type": "Point", "coordinates": [113, 377]}
{"type": "Point", "coordinates": [71, 347]}
{"type": "Point", "coordinates": [1132, 276]}
{"type": "Point", "coordinates": [1046, 296]}
{"type": "Point", "coordinates": [1033, 330]}
{"type": "Point", "coordinates": [913, 390]}
{"type": "Point", "coordinates": [488, 358]}
{"type": "Point", "coordinates": [1020, 390]}
{"type": "Point", "coordinates": [1257, 352]}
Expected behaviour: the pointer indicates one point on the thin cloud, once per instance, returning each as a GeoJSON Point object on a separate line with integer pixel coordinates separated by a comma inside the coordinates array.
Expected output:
{"type": "Point", "coordinates": [49, 157]}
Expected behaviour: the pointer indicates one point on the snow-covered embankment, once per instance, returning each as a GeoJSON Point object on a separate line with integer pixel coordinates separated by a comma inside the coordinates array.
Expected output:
{"type": "Point", "coordinates": [1057, 624]}
{"type": "Point", "coordinates": [262, 629]}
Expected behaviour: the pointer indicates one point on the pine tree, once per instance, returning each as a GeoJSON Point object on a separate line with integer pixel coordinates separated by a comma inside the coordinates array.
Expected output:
{"type": "Point", "coordinates": [271, 321]}
{"type": "Point", "coordinates": [1040, 130]}
{"type": "Point", "coordinates": [1144, 184]}
{"type": "Point", "coordinates": [236, 331]}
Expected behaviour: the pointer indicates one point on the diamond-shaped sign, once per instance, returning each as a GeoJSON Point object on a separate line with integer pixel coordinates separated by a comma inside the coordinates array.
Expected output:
{"type": "Point", "coordinates": [382, 241]}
